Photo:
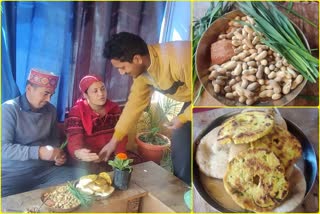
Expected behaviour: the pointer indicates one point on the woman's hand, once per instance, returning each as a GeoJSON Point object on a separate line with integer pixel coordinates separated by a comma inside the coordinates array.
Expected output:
{"type": "Point", "coordinates": [107, 150]}
{"type": "Point", "coordinates": [86, 155]}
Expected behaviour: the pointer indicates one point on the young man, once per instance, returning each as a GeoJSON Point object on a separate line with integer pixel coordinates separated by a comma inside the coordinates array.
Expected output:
{"type": "Point", "coordinates": [163, 67]}
{"type": "Point", "coordinates": [31, 157]}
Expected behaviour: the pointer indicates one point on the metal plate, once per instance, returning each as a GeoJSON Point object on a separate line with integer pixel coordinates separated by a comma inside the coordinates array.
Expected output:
{"type": "Point", "coordinates": [203, 62]}
{"type": "Point", "coordinates": [307, 164]}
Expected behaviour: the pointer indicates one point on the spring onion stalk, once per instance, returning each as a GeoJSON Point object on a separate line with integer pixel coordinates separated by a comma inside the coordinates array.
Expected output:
{"type": "Point", "coordinates": [63, 145]}
{"type": "Point", "coordinates": [293, 12]}
{"type": "Point", "coordinates": [280, 35]}
{"type": "Point", "coordinates": [84, 199]}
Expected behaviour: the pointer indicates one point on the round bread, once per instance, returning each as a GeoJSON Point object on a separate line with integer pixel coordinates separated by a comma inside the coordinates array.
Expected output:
{"type": "Point", "coordinates": [278, 119]}
{"type": "Point", "coordinates": [235, 149]}
{"type": "Point", "coordinates": [283, 144]}
{"type": "Point", "coordinates": [212, 157]}
{"type": "Point", "coordinates": [245, 127]}
{"type": "Point", "coordinates": [298, 187]}
{"type": "Point", "coordinates": [256, 180]}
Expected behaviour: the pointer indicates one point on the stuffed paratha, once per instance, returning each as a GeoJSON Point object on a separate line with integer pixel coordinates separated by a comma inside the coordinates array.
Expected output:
{"type": "Point", "coordinates": [245, 127]}
{"type": "Point", "coordinates": [256, 181]}
{"type": "Point", "coordinates": [298, 187]}
{"type": "Point", "coordinates": [283, 144]}
{"type": "Point", "coordinates": [278, 119]}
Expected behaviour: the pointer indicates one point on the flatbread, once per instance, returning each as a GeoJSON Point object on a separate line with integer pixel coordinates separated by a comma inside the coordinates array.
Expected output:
{"type": "Point", "coordinates": [284, 145]}
{"type": "Point", "coordinates": [212, 157]}
{"type": "Point", "coordinates": [255, 179]}
{"type": "Point", "coordinates": [245, 127]}
{"type": "Point", "coordinates": [235, 149]}
{"type": "Point", "coordinates": [278, 119]}
{"type": "Point", "coordinates": [298, 187]}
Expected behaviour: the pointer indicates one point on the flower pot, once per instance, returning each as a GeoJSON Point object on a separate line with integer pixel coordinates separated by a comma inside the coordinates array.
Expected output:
{"type": "Point", "coordinates": [121, 179]}
{"type": "Point", "coordinates": [150, 152]}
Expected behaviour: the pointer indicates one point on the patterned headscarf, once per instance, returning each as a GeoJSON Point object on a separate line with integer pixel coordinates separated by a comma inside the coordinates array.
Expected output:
{"type": "Point", "coordinates": [88, 80]}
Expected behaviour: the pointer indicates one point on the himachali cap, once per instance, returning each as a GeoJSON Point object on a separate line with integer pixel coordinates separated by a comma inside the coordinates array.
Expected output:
{"type": "Point", "coordinates": [43, 78]}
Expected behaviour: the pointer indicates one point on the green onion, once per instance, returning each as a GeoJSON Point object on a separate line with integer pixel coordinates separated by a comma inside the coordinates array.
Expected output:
{"type": "Point", "coordinates": [280, 36]}
{"type": "Point", "coordinates": [62, 146]}
{"type": "Point", "coordinates": [84, 199]}
{"type": "Point", "coordinates": [293, 12]}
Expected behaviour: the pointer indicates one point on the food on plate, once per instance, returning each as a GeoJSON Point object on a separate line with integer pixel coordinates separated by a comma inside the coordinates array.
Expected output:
{"type": "Point", "coordinates": [61, 198]}
{"type": "Point", "coordinates": [259, 172]}
{"type": "Point", "coordinates": [211, 156]}
{"type": "Point", "coordinates": [256, 180]}
{"type": "Point", "coordinates": [97, 185]}
{"type": "Point", "coordinates": [255, 73]}
{"type": "Point", "coordinates": [245, 127]}
{"type": "Point", "coordinates": [298, 187]}
{"type": "Point", "coordinates": [278, 119]}
{"type": "Point", "coordinates": [283, 144]}
{"type": "Point", "coordinates": [235, 149]}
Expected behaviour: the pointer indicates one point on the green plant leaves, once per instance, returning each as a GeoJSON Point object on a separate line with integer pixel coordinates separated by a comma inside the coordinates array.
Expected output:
{"type": "Point", "coordinates": [121, 164]}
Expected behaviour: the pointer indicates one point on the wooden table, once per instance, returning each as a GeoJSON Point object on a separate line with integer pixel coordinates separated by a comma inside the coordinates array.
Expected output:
{"type": "Point", "coordinates": [151, 189]}
{"type": "Point", "coordinates": [303, 118]}
{"type": "Point", "coordinates": [309, 96]}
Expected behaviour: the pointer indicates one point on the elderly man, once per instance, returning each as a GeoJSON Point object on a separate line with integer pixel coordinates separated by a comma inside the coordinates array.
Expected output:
{"type": "Point", "coordinates": [163, 67]}
{"type": "Point", "coordinates": [31, 157]}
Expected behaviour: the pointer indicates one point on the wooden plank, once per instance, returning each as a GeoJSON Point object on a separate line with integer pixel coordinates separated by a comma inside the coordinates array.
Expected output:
{"type": "Point", "coordinates": [162, 192]}
{"type": "Point", "coordinates": [23, 201]}
{"type": "Point", "coordinates": [161, 184]}
{"type": "Point", "coordinates": [151, 204]}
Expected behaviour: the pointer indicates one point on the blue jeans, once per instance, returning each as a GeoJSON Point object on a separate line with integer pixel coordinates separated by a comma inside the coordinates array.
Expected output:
{"type": "Point", "coordinates": [181, 153]}
{"type": "Point", "coordinates": [40, 177]}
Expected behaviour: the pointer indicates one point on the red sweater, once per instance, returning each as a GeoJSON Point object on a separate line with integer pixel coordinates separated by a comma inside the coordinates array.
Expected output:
{"type": "Point", "coordinates": [85, 129]}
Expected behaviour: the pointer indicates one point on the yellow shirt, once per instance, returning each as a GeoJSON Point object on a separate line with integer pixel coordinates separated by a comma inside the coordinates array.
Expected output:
{"type": "Point", "coordinates": [169, 73]}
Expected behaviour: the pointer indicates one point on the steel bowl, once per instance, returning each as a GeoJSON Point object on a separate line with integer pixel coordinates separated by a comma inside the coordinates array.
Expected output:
{"type": "Point", "coordinates": [203, 62]}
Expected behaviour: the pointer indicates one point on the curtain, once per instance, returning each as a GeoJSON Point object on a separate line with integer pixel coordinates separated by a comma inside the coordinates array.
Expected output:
{"type": "Point", "coordinates": [9, 87]}
{"type": "Point", "coordinates": [43, 39]}
{"type": "Point", "coordinates": [95, 23]}
{"type": "Point", "coordinates": [67, 38]}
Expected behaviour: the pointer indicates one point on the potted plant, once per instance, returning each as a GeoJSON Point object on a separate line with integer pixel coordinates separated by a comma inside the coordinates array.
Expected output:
{"type": "Point", "coordinates": [151, 141]}
{"type": "Point", "coordinates": [122, 171]}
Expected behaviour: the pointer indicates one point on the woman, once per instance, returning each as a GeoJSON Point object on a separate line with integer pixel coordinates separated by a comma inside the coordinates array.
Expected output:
{"type": "Point", "coordinates": [91, 121]}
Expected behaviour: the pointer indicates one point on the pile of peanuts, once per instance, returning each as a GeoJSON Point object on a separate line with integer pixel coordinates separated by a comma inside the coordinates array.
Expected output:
{"type": "Point", "coordinates": [62, 198]}
{"type": "Point", "coordinates": [256, 73]}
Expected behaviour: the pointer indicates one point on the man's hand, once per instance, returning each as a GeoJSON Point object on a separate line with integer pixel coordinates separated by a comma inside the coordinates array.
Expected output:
{"type": "Point", "coordinates": [60, 159]}
{"type": "Point", "coordinates": [175, 123]}
{"type": "Point", "coordinates": [107, 150]}
{"type": "Point", "coordinates": [86, 155]}
{"type": "Point", "coordinates": [48, 153]}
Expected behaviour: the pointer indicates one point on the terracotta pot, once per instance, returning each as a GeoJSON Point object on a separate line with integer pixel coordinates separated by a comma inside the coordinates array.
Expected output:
{"type": "Point", "coordinates": [121, 179]}
{"type": "Point", "coordinates": [150, 152]}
